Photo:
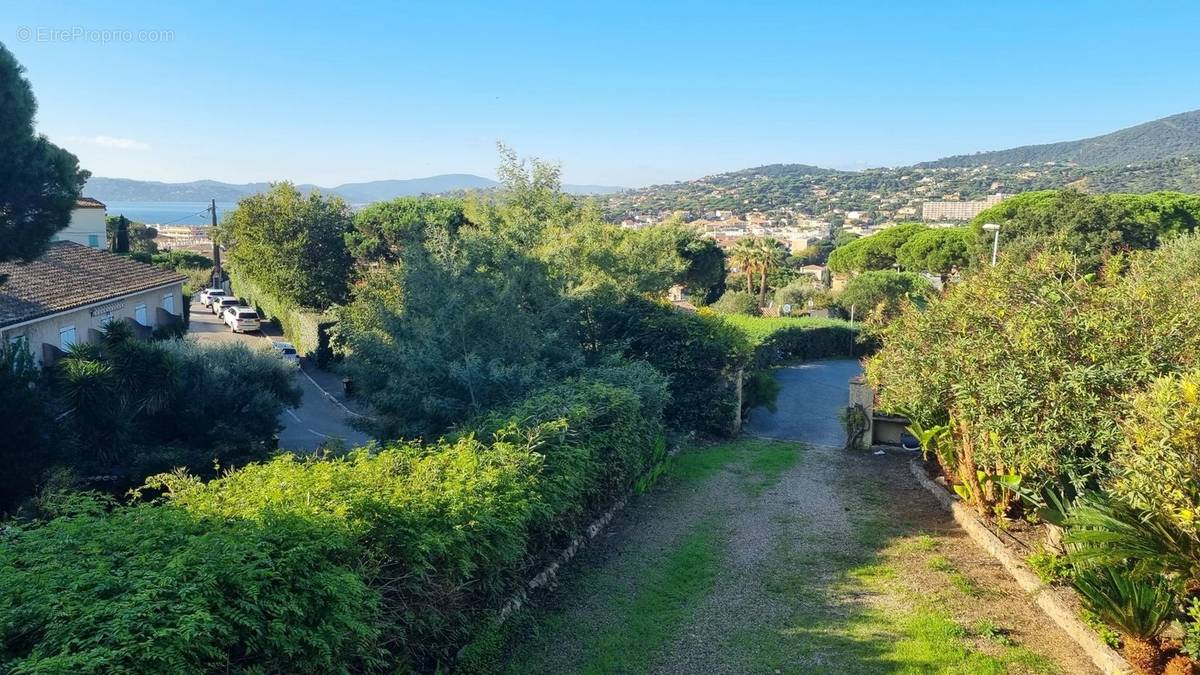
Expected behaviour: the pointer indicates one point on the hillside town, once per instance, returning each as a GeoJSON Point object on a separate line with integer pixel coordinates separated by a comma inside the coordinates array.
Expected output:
{"type": "Point", "coordinates": [471, 411]}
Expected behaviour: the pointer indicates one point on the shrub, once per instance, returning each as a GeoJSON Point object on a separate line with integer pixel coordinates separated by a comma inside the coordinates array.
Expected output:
{"type": "Point", "coordinates": [598, 436]}
{"type": "Point", "coordinates": [798, 292]}
{"type": "Point", "coordinates": [441, 527]}
{"type": "Point", "coordinates": [446, 531]}
{"type": "Point", "coordinates": [736, 302]}
{"type": "Point", "coordinates": [29, 446]}
{"type": "Point", "coordinates": [181, 260]}
{"type": "Point", "coordinates": [149, 589]}
{"type": "Point", "coordinates": [880, 295]}
{"type": "Point", "coordinates": [1049, 566]}
{"type": "Point", "coordinates": [140, 408]}
{"type": "Point", "coordinates": [1157, 464]}
{"type": "Point", "coordinates": [779, 339]}
{"type": "Point", "coordinates": [699, 353]}
{"type": "Point", "coordinates": [1029, 363]}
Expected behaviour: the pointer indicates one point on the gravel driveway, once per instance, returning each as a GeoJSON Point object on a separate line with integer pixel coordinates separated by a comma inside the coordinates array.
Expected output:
{"type": "Point", "coordinates": [767, 556]}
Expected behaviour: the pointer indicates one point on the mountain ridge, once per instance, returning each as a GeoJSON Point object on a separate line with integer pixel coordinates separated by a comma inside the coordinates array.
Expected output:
{"type": "Point", "coordinates": [131, 190]}
{"type": "Point", "coordinates": [1164, 138]}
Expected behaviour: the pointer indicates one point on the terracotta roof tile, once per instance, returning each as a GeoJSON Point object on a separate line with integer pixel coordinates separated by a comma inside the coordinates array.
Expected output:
{"type": "Point", "coordinates": [89, 203]}
{"type": "Point", "coordinates": [69, 276]}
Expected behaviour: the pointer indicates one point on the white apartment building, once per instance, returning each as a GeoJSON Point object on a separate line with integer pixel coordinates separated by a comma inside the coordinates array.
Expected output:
{"type": "Point", "coordinates": [87, 224]}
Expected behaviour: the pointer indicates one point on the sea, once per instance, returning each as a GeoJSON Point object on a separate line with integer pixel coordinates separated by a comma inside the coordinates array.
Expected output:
{"type": "Point", "coordinates": [169, 213]}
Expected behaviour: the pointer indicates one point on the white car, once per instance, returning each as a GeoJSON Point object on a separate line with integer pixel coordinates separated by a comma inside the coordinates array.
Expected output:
{"type": "Point", "coordinates": [241, 319]}
{"type": "Point", "coordinates": [286, 351]}
{"type": "Point", "coordinates": [222, 303]}
{"type": "Point", "coordinates": [208, 295]}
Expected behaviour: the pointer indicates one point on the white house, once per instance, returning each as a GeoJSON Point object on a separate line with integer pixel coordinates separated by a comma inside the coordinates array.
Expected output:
{"type": "Point", "coordinates": [69, 294]}
{"type": "Point", "coordinates": [87, 224]}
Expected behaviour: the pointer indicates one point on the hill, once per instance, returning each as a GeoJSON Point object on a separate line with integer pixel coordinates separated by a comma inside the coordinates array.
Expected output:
{"type": "Point", "coordinates": [1166, 138]}
{"type": "Point", "coordinates": [128, 190]}
{"type": "Point", "coordinates": [1159, 155]}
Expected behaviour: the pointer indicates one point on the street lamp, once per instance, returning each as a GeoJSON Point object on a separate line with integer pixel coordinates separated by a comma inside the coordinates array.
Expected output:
{"type": "Point", "coordinates": [995, 229]}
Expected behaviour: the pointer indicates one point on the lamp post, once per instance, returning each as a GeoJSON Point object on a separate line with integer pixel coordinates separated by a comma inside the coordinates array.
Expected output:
{"type": "Point", "coordinates": [994, 228]}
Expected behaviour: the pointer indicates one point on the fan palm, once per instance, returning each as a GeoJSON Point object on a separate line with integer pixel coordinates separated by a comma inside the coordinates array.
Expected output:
{"type": "Point", "coordinates": [744, 257]}
{"type": "Point", "coordinates": [767, 254]}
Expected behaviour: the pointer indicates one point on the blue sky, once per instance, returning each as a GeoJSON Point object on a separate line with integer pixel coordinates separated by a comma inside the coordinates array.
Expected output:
{"type": "Point", "coordinates": [621, 93]}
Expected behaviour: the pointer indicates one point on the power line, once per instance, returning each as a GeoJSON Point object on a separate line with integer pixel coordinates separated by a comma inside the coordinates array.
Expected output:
{"type": "Point", "coordinates": [170, 222]}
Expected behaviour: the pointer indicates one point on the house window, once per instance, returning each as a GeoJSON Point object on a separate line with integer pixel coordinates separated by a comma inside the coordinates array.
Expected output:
{"type": "Point", "coordinates": [66, 337]}
{"type": "Point", "coordinates": [94, 240]}
{"type": "Point", "coordinates": [18, 343]}
{"type": "Point", "coordinates": [139, 315]}
{"type": "Point", "coordinates": [169, 302]}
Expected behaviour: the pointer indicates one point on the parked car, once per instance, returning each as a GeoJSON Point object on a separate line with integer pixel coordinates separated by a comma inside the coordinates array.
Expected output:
{"type": "Point", "coordinates": [241, 319]}
{"type": "Point", "coordinates": [286, 351]}
{"type": "Point", "coordinates": [208, 295]}
{"type": "Point", "coordinates": [222, 303]}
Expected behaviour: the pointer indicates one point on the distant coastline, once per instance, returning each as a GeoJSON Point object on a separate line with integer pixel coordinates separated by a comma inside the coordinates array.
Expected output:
{"type": "Point", "coordinates": [168, 213]}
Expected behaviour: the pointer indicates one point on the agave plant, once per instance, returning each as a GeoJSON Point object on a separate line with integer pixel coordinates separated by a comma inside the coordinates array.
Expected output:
{"type": "Point", "coordinates": [1139, 607]}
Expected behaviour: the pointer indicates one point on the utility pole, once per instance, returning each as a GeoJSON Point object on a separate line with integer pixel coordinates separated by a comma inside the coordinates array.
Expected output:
{"type": "Point", "coordinates": [218, 275]}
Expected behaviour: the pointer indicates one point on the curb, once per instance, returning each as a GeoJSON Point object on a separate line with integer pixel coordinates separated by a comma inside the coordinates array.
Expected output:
{"type": "Point", "coordinates": [1105, 657]}
{"type": "Point", "coordinates": [333, 399]}
{"type": "Point", "coordinates": [549, 573]}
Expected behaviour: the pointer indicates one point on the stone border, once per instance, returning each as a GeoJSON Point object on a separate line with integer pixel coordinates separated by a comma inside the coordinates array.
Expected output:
{"type": "Point", "coordinates": [550, 572]}
{"type": "Point", "coordinates": [1105, 657]}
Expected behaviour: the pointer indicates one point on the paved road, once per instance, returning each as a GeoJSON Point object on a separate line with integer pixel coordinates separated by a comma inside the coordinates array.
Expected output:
{"type": "Point", "coordinates": [315, 421]}
{"type": "Point", "coordinates": [810, 397]}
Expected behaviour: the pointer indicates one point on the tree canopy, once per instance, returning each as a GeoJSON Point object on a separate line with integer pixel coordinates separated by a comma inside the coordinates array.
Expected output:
{"type": "Point", "coordinates": [39, 181]}
{"type": "Point", "coordinates": [384, 230]}
{"type": "Point", "coordinates": [938, 250]}
{"type": "Point", "coordinates": [291, 243]}
{"type": "Point", "coordinates": [130, 236]}
{"type": "Point", "coordinates": [1091, 227]}
{"type": "Point", "coordinates": [881, 294]}
{"type": "Point", "coordinates": [875, 252]}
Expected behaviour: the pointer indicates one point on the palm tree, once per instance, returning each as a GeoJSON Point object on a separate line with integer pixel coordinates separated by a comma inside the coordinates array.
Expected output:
{"type": "Point", "coordinates": [767, 254]}
{"type": "Point", "coordinates": [744, 257]}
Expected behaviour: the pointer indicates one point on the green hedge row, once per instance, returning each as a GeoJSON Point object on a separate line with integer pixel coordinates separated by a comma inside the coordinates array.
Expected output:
{"type": "Point", "coordinates": [385, 559]}
{"type": "Point", "coordinates": [308, 329]}
{"type": "Point", "coordinates": [781, 339]}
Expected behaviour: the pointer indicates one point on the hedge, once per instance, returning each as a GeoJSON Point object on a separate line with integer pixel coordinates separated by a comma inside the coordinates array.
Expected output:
{"type": "Point", "coordinates": [147, 589]}
{"type": "Point", "coordinates": [385, 559]}
{"type": "Point", "coordinates": [780, 339]}
{"type": "Point", "coordinates": [307, 329]}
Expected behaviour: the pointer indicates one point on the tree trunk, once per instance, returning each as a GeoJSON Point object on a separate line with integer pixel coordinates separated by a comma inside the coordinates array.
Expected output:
{"type": "Point", "coordinates": [762, 289]}
{"type": "Point", "coordinates": [968, 472]}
